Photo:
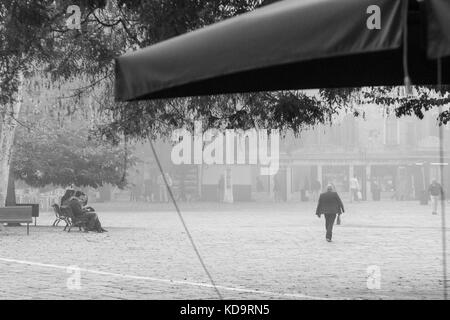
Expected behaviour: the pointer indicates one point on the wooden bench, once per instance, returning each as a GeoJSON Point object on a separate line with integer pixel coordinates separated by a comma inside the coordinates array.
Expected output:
{"type": "Point", "coordinates": [35, 212]}
{"type": "Point", "coordinates": [17, 215]}
{"type": "Point", "coordinates": [65, 214]}
{"type": "Point", "coordinates": [60, 215]}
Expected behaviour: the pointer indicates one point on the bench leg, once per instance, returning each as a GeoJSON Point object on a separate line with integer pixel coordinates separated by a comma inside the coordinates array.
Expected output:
{"type": "Point", "coordinates": [28, 229]}
{"type": "Point", "coordinates": [67, 224]}
{"type": "Point", "coordinates": [35, 221]}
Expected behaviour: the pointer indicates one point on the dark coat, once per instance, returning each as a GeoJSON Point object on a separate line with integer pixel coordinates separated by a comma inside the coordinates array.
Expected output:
{"type": "Point", "coordinates": [76, 208]}
{"type": "Point", "coordinates": [330, 203]}
{"type": "Point", "coordinates": [436, 190]}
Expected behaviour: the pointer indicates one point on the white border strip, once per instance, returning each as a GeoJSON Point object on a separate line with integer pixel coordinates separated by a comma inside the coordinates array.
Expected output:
{"type": "Point", "coordinates": [172, 282]}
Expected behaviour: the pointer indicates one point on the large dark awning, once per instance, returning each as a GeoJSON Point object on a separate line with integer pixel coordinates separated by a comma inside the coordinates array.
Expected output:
{"type": "Point", "coordinates": [294, 44]}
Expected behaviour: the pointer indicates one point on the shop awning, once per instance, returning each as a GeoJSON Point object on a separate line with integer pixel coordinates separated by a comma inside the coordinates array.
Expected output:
{"type": "Point", "coordinates": [295, 44]}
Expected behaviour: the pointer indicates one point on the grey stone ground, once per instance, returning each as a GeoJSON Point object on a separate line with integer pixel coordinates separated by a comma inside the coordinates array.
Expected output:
{"type": "Point", "coordinates": [253, 251]}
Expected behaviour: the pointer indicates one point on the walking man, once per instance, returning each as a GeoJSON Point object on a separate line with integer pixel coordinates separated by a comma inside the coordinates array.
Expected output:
{"type": "Point", "coordinates": [437, 195]}
{"type": "Point", "coordinates": [330, 205]}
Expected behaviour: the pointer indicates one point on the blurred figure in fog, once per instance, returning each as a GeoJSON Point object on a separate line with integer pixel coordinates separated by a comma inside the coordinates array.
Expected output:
{"type": "Point", "coordinates": [316, 187]}
{"type": "Point", "coordinates": [330, 205]}
{"type": "Point", "coordinates": [221, 188]}
{"type": "Point", "coordinates": [163, 188]}
{"type": "Point", "coordinates": [259, 185]}
{"type": "Point", "coordinates": [305, 192]}
{"type": "Point", "coordinates": [136, 192]}
{"type": "Point", "coordinates": [354, 189]}
{"type": "Point", "coordinates": [437, 195]}
{"type": "Point", "coordinates": [148, 190]}
{"type": "Point", "coordinates": [132, 195]}
{"type": "Point", "coordinates": [376, 191]}
{"type": "Point", "coordinates": [277, 189]}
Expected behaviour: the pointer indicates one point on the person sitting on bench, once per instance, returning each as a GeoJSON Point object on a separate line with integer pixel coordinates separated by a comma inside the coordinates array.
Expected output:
{"type": "Point", "coordinates": [91, 218]}
{"type": "Point", "coordinates": [84, 202]}
{"type": "Point", "coordinates": [66, 197]}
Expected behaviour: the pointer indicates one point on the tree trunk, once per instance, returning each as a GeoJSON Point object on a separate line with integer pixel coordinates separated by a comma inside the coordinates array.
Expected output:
{"type": "Point", "coordinates": [11, 195]}
{"type": "Point", "coordinates": [8, 129]}
{"type": "Point", "coordinates": [11, 192]}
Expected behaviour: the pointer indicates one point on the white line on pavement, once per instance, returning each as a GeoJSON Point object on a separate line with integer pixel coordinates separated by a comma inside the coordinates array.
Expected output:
{"type": "Point", "coordinates": [176, 282]}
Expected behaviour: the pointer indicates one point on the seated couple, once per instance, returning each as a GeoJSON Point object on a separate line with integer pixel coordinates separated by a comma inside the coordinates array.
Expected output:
{"type": "Point", "coordinates": [77, 202]}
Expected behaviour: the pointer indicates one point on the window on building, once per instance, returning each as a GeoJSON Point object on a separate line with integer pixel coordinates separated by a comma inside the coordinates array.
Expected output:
{"type": "Point", "coordinates": [433, 126]}
{"type": "Point", "coordinates": [349, 132]}
{"type": "Point", "coordinates": [411, 137]}
{"type": "Point", "coordinates": [391, 136]}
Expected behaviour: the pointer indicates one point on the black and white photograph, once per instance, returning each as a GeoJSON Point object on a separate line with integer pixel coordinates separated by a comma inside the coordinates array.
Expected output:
{"type": "Point", "coordinates": [243, 151]}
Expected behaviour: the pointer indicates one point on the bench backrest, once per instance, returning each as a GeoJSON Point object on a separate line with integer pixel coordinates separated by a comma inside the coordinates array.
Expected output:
{"type": "Point", "coordinates": [16, 215]}
{"type": "Point", "coordinates": [35, 207]}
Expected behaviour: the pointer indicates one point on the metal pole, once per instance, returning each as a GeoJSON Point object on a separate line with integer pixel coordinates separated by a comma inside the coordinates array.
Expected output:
{"type": "Point", "coordinates": [191, 239]}
{"type": "Point", "coordinates": [442, 166]}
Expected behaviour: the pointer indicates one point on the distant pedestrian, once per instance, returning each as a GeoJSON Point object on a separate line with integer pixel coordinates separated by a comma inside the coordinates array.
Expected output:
{"type": "Point", "coordinates": [277, 189]}
{"type": "Point", "coordinates": [306, 191]}
{"type": "Point", "coordinates": [306, 186]}
{"type": "Point", "coordinates": [354, 189]}
{"type": "Point", "coordinates": [330, 205]}
{"type": "Point", "coordinates": [376, 191]}
{"type": "Point", "coordinates": [148, 190]}
{"type": "Point", "coordinates": [221, 188]}
{"type": "Point", "coordinates": [259, 185]}
{"type": "Point", "coordinates": [316, 187]}
{"type": "Point", "coordinates": [163, 188]}
{"type": "Point", "coordinates": [437, 195]}
{"type": "Point", "coordinates": [132, 195]}
{"type": "Point", "coordinates": [136, 192]}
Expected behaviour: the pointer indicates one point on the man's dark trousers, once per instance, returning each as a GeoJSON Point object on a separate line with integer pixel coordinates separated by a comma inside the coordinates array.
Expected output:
{"type": "Point", "coordinates": [329, 224]}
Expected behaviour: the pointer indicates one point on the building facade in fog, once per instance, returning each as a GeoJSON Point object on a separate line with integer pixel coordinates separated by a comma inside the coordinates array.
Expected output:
{"type": "Point", "coordinates": [400, 155]}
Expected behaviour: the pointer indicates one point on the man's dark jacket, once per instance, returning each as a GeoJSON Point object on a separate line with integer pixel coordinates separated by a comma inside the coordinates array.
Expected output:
{"type": "Point", "coordinates": [76, 207]}
{"type": "Point", "coordinates": [436, 190]}
{"type": "Point", "coordinates": [330, 203]}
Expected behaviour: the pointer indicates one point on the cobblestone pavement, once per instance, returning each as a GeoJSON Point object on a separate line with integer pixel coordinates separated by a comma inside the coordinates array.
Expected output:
{"type": "Point", "coordinates": [253, 251]}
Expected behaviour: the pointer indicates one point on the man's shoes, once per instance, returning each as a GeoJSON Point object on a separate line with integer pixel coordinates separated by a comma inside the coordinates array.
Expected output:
{"type": "Point", "coordinates": [328, 240]}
